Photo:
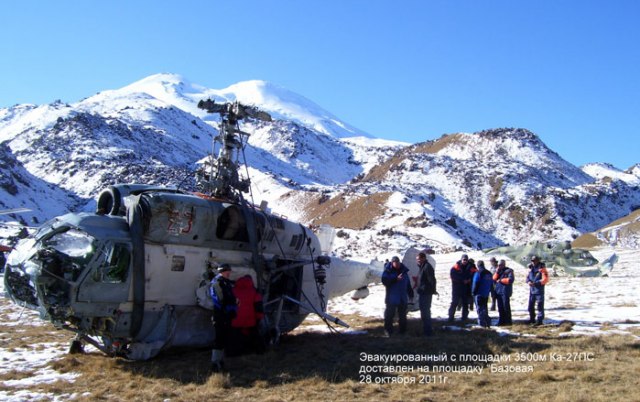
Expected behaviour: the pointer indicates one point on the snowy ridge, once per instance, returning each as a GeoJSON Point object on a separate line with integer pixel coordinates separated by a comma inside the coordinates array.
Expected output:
{"type": "Point", "coordinates": [173, 89]}
{"type": "Point", "coordinates": [460, 191]}
{"type": "Point", "coordinates": [492, 187]}
{"type": "Point", "coordinates": [21, 189]}
{"type": "Point", "coordinates": [606, 171]}
{"type": "Point", "coordinates": [152, 131]}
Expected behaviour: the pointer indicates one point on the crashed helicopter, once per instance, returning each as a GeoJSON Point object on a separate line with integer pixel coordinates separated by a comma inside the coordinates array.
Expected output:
{"type": "Point", "coordinates": [132, 278]}
{"type": "Point", "coordinates": [560, 257]}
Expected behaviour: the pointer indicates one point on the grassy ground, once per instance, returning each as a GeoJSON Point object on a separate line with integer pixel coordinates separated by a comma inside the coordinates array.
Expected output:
{"type": "Point", "coordinates": [312, 366]}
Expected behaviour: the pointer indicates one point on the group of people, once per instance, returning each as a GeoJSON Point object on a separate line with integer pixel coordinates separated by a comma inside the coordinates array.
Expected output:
{"type": "Point", "coordinates": [237, 315]}
{"type": "Point", "coordinates": [238, 308]}
{"type": "Point", "coordinates": [470, 283]}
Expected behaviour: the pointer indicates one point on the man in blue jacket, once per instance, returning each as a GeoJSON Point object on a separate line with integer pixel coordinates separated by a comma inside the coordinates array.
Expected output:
{"type": "Point", "coordinates": [480, 289]}
{"type": "Point", "coordinates": [225, 307]}
{"type": "Point", "coordinates": [395, 279]}
{"type": "Point", "coordinates": [536, 279]}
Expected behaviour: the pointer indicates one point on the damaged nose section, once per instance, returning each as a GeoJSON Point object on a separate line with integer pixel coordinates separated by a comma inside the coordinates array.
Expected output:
{"type": "Point", "coordinates": [19, 285]}
{"type": "Point", "coordinates": [19, 270]}
{"type": "Point", "coordinates": [37, 277]}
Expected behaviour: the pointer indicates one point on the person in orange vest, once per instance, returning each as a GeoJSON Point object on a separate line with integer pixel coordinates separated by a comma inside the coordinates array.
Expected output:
{"type": "Point", "coordinates": [537, 279]}
{"type": "Point", "coordinates": [245, 326]}
{"type": "Point", "coordinates": [461, 277]}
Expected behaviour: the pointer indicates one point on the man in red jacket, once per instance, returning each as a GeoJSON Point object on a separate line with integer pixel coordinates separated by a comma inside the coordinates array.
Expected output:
{"type": "Point", "coordinates": [244, 327]}
{"type": "Point", "coordinates": [461, 277]}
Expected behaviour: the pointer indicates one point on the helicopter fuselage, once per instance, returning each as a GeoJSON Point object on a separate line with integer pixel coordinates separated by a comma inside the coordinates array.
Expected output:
{"type": "Point", "coordinates": [140, 281]}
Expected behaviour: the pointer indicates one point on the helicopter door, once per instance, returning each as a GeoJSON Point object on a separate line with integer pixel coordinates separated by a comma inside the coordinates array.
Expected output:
{"type": "Point", "coordinates": [109, 279]}
{"type": "Point", "coordinates": [284, 284]}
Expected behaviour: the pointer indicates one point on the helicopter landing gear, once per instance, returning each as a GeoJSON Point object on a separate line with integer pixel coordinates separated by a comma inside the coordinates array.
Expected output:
{"type": "Point", "coordinates": [76, 347]}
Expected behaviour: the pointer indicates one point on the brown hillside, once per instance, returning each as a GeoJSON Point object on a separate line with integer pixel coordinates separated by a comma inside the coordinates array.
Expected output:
{"type": "Point", "coordinates": [379, 172]}
{"type": "Point", "coordinates": [587, 240]}
{"type": "Point", "coordinates": [432, 147]}
{"type": "Point", "coordinates": [628, 226]}
{"type": "Point", "coordinates": [347, 211]}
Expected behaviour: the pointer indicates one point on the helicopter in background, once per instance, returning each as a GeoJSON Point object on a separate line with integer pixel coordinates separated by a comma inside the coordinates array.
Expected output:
{"type": "Point", "coordinates": [132, 278]}
{"type": "Point", "coordinates": [558, 256]}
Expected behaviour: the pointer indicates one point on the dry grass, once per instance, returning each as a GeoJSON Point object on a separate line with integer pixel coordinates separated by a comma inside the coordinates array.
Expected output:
{"type": "Point", "coordinates": [496, 182]}
{"type": "Point", "coordinates": [312, 366]}
{"type": "Point", "coordinates": [433, 147]}
{"type": "Point", "coordinates": [350, 212]}
{"type": "Point", "coordinates": [630, 227]}
{"type": "Point", "coordinates": [587, 240]}
{"type": "Point", "coordinates": [379, 172]}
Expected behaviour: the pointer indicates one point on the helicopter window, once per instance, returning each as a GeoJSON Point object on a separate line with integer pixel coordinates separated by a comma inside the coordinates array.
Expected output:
{"type": "Point", "coordinates": [177, 263]}
{"type": "Point", "coordinates": [276, 222]}
{"type": "Point", "coordinates": [115, 268]}
{"type": "Point", "coordinates": [65, 252]}
{"type": "Point", "coordinates": [232, 225]}
{"type": "Point", "coordinates": [296, 241]}
{"type": "Point", "coordinates": [72, 243]}
{"type": "Point", "coordinates": [22, 251]}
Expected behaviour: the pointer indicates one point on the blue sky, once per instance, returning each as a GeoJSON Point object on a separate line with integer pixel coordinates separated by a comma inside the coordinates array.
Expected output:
{"type": "Point", "coordinates": [567, 70]}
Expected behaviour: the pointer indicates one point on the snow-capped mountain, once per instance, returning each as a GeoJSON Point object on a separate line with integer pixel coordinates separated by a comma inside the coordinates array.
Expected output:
{"type": "Point", "coordinates": [152, 131]}
{"type": "Point", "coordinates": [281, 104]}
{"type": "Point", "coordinates": [459, 191]}
{"type": "Point", "coordinates": [475, 191]}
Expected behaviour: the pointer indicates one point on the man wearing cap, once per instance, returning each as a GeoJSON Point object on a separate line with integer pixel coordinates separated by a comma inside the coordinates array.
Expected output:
{"type": "Point", "coordinates": [224, 310]}
{"type": "Point", "coordinates": [461, 275]}
{"type": "Point", "coordinates": [537, 279]}
{"type": "Point", "coordinates": [395, 279]}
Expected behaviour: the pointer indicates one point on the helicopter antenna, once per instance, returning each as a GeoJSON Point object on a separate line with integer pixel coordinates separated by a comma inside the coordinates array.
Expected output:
{"type": "Point", "coordinates": [219, 177]}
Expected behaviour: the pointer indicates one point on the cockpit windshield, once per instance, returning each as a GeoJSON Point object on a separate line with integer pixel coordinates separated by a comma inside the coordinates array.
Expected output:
{"type": "Point", "coordinates": [66, 252]}
{"type": "Point", "coordinates": [73, 243]}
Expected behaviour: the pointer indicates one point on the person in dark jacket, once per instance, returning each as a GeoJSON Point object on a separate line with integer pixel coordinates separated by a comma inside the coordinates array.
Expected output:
{"type": "Point", "coordinates": [426, 289]}
{"type": "Point", "coordinates": [536, 279]}
{"type": "Point", "coordinates": [224, 311]}
{"type": "Point", "coordinates": [481, 289]}
{"type": "Point", "coordinates": [469, 296]}
{"type": "Point", "coordinates": [395, 279]}
{"type": "Point", "coordinates": [503, 279]}
{"type": "Point", "coordinates": [461, 275]}
{"type": "Point", "coordinates": [245, 335]}
{"type": "Point", "coordinates": [494, 297]}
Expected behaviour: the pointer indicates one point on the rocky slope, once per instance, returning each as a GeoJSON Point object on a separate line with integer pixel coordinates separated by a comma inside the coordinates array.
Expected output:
{"type": "Point", "coordinates": [458, 191]}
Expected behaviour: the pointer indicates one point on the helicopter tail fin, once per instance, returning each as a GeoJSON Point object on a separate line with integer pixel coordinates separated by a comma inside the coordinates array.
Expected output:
{"type": "Point", "coordinates": [607, 265]}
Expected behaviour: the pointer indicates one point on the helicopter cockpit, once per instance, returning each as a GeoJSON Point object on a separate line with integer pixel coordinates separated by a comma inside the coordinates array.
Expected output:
{"type": "Point", "coordinates": [45, 271]}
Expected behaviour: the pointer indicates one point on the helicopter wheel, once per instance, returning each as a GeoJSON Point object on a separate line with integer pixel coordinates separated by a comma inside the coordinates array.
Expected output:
{"type": "Point", "coordinates": [76, 347]}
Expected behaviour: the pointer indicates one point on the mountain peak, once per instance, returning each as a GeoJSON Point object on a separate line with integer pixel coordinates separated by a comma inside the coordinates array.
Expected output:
{"type": "Point", "coordinates": [493, 144]}
{"type": "Point", "coordinates": [279, 102]}
{"type": "Point", "coordinates": [170, 78]}
{"type": "Point", "coordinates": [284, 104]}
